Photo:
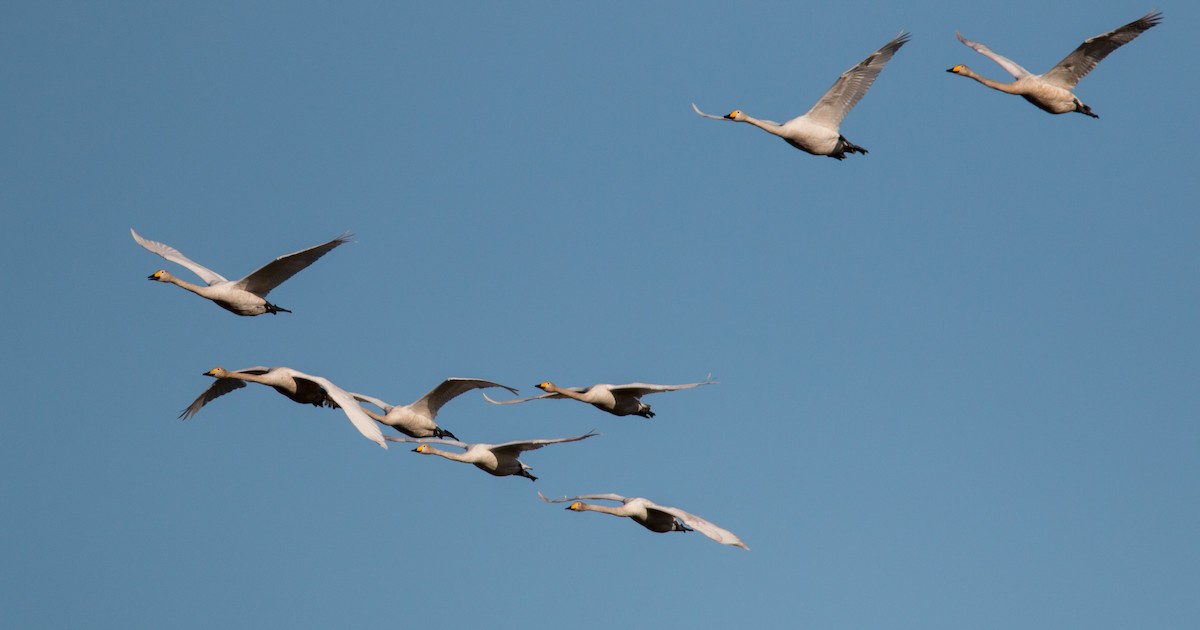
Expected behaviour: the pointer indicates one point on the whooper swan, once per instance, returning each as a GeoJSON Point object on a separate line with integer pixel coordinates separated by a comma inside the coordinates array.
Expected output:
{"type": "Point", "coordinates": [619, 400]}
{"type": "Point", "coordinates": [652, 516]}
{"type": "Point", "coordinates": [298, 386]}
{"type": "Point", "coordinates": [245, 296]}
{"type": "Point", "coordinates": [816, 131]}
{"type": "Point", "coordinates": [416, 419]}
{"type": "Point", "coordinates": [1052, 91]}
{"type": "Point", "coordinates": [499, 460]}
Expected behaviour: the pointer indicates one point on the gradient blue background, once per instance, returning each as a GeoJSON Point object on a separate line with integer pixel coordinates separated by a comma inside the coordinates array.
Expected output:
{"type": "Point", "coordinates": [958, 375]}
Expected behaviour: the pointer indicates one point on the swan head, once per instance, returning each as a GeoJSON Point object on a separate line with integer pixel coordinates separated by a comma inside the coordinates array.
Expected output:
{"type": "Point", "coordinates": [545, 386]}
{"type": "Point", "coordinates": [735, 115]}
{"type": "Point", "coordinates": [162, 275]}
{"type": "Point", "coordinates": [957, 69]}
{"type": "Point", "coordinates": [576, 506]}
{"type": "Point", "coordinates": [217, 372]}
{"type": "Point", "coordinates": [424, 449]}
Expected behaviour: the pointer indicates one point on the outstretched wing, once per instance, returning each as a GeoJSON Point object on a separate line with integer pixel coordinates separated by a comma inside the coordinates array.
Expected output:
{"type": "Point", "coordinates": [357, 416]}
{"type": "Point", "coordinates": [585, 497]}
{"type": "Point", "coordinates": [1082, 60]}
{"type": "Point", "coordinates": [209, 276]}
{"type": "Point", "coordinates": [220, 387]}
{"type": "Point", "coordinates": [532, 445]}
{"type": "Point", "coordinates": [372, 400]}
{"type": "Point", "coordinates": [1009, 65]}
{"type": "Point", "coordinates": [852, 85]}
{"type": "Point", "coordinates": [539, 396]}
{"type": "Point", "coordinates": [719, 534]}
{"type": "Point", "coordinates": [642, 389]}
{"type": "Point", "coordinates": [277, 271]}
{"type": "Point", "coordinates": [402, 438]}
{"type": "Point", "coordinates": [448, 390]}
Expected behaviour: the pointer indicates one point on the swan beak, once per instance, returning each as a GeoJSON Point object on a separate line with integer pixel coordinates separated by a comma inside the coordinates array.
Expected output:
{"type": "Point", "coordinates": [955, 69]}
{"type": "Point", "coordinates": [150, 277]}
{"type": "Point", "coordinates": [728, 116]}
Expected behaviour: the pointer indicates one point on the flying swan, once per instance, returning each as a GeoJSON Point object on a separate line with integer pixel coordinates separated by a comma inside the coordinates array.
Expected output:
{"type": "Point", "coordinates": [499, 460]}
{"type": "Point", "coordinates": [416, 419]}
{"type": "Point", "coordinates": [652, 516]}
{"type": "Point", "coordinates": [619, 400]}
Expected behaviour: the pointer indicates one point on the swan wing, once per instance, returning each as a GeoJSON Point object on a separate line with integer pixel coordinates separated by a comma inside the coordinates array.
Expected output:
{"type": "Point", "coordinates": [719, 534]}
{"type": "Point", "coordinates": [769, 122]}
{"type": "Point", "coordinates": [853, 84]}
{"type": "Point", "coordinates": [357, 416]}
{"type": "Point", "coordinates": [279, 270]}
{"type": "Point", "coordinates": [1009, 65]}
{"type": "Point", "coordinates": [532, 445]}
{"type": "Point", "coordinates": [402, 438]}
{"type": "Point", "coordinates": [220, 387]}
{"type": "Point", "coordinates": [209, 276]}
{"type": "Point", "coordinates": [642, 389]}
{"type": "Point", "coordinates": [1082, 60]}
{"type": "Point", "coordinates": [371, 400]}
{"type": "Point", "coordinates": [521, 400]}
{"type": "Point", "coordinates": [585, 497]}
{"type": "Point", "coordinates": [450, 389]}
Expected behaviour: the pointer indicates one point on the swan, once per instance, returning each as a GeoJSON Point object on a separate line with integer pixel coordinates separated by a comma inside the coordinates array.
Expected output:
{"type": "Point", "coordinates": [499, 460]}
{"type": "Point", "coordinates": [416, 419]}
{"type": "Point", "coordinates": [652, 516]}
{"type": "Point", "coordinates": [1052, 91]}
{"type": "Point", "coordinates": [816, 131]}
{"type": "Point", "coordinates": [245, 296]}
{"type": "Point", "coordinates": [619, 400]}
{"type": "Point", "coordinates": [296, 385]}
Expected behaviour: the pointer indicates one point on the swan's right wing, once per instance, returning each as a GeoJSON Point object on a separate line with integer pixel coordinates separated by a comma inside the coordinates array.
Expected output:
{"type": "Point", "coordinates": [1009, 65]}
{"type": "Point", "coordinates": [357, 416]}
{"type": "Point", "coordinates": [641, 389]}
{"type": "Point", "coordinates": [219, 388]}
{"type": "Point", "coordinates": [279, 270]}
{"type": "Point", "coordinates": [1082, 60]}
{"type": "Point", "coordinates": [586, 497]}
{"type": "Point", "coordinates": [209, 276]}
{"type": "Point", "coordinates": [853, 84]}
{"type": "Point", "coordinates": [719, 534]}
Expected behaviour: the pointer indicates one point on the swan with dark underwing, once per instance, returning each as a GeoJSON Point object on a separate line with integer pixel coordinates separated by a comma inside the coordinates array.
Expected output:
{"type": "Point", "coordinates": [652, 516]}
{"type": "Point", "coordinates": [499, 460]}
{"type": "Point", "coordinates": [417, 419]}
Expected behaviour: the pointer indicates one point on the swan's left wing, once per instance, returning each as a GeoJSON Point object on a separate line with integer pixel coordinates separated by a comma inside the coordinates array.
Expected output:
{"type": "Point", "coordinates": [279, 270]}
{"type": "Point", "coordinates": [357, 416]}
{"type": "Point", "coordinates": [209, 276]}
{"type": "Point", "coordinates": [533, 445]}
{"type": "Point", "coordinates": [1082, 60]}
{"type": "Point", "coordinates": [852, 85]}
{"type": "Point", "coordinates": [1009, 65]}
{"type": "Point", "coordinates": [719, 534]}
{"type": "Point", "coordinates": [585, 497]}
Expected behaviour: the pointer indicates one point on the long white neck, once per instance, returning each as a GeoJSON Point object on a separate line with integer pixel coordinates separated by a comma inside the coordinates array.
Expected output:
{"type": "Point", "coordinates": [458, 457]}
{"type": "Point", "coordinates": [603, 509]}
{"type": "Point", "coordinates": [764, 125]}
{"type": "Point", "coordinates": [1007, 88]}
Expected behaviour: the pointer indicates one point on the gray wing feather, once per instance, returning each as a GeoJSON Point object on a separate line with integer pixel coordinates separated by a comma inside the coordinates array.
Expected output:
{"type": "Point", "coordinates": [274, 273]}
{"type": "Point", "coordinates": [853, 84]}
{"type": "Point", "coordinates": [1083, 60]}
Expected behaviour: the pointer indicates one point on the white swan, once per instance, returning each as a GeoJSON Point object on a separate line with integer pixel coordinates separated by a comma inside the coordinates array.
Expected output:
{"type": "Point", "coordinates": [245, 296]}
{"type": "Point", "coordinates": [416, 419]}
{"type": "Point", "coordinates": [816, 131]}
{"type": "Point", "coordinates": [499, 460]}
{"type": "Point", "coordinates": [619, 400]}
{"type": "Point", "coordinates": [652, 516]}
{"type": "Point", "coordinates": [1052, 91]}
{"type": "Point", "coordinates": [296, 385]}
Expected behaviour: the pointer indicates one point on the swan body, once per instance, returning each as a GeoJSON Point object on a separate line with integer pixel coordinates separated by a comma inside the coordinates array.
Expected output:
{"type": "Point", "coordinates": [1053, 91]}
{"type": "Point", "coordinates": [499, 460]}
{"type": "Point", "coordinates": [652, 516]}
{"type": "Point", "coordinates": [242, 297]}
{"type": "Point", "coordinates": [416, 419]}
{"type": "Point", "coordinates": [817, 130]}
{"type": "Point", "coordinates": [303, 388]}
{"type": "Point", "coordinates": [619, 400]}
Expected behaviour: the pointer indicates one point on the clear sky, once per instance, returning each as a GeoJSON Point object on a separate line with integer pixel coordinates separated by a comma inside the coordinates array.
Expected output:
{"type": "Point", "coordinates": [958, 375]}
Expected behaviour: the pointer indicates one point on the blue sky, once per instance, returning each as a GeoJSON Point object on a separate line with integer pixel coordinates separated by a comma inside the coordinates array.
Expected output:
{"type": "Point", "coordinates": [958, 374]}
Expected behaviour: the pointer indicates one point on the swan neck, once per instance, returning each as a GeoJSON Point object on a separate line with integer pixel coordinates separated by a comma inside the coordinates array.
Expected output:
{"type": "Point", "coordinates": [603, 509]}
{"type": "Point", "coordinates": [1008, 88]}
